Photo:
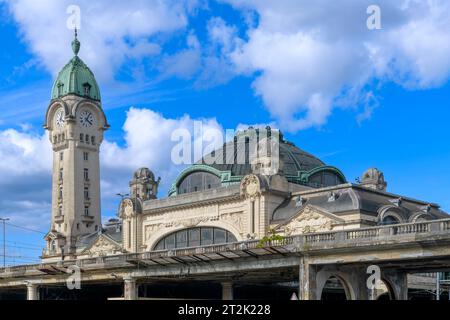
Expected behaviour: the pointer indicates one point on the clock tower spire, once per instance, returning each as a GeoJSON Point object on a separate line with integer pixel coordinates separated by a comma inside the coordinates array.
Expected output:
{"type": "Point", "coordinates": [75, 122]}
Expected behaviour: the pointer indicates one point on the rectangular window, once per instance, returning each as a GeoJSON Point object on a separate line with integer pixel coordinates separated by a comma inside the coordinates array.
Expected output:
{"type": "Point", "coordinates": [87, 139]}
{"type": "Point", "coordinates": [86, 174]}
{"type": "Point", "coordinates": [170, 242]}
{"type": "Point", "coordinates": [220, 236]}
{"type": "Point", "coordinates": [182, 239]}
{"type": "Point", "coordinates": [129, 234]}
{"type": "Point", "coordinates": [61, 156]}
{"type": "Point", "coordinates": [60, 211]}
{"type": "Point", "coordinates": [86, 156]}
{"type": "Point", "coordinates": [86, 210]}
{"type": "Point", "coordinates": [61, 174]}
{"type": "Point", "coordinates": [252, 221]}
{"type": "Point", "coordinates": [86, 193]}
{"type": "Point", "coordinates": [81, 137]}
{"type": "Point", "coordinates": [194, 237]}
{"type": "Point", "coordinates": [93, 140]}
{"type": "Point", "coordinates": [206, 236]}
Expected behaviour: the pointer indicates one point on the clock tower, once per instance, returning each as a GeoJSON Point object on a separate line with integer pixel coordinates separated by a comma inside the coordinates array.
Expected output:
{"type": "Point", "coordinates": [75, 122]}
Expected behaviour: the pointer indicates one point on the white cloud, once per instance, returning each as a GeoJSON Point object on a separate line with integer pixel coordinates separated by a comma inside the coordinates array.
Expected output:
{"type": "Point", "coordinates": [25, 182]}
{"type": "Point", "coordinates": [26, 164]}
{"type": "Point", "coordinates": [147, 144]}
{"type": "Point", "coordinates": [111, 31]}
{"type": "Point", "coordinates": [185, 63]}
{"type": "Point", "coordinates": [307, 55]}
{"type": "Point", "coordinates": [307, 58]}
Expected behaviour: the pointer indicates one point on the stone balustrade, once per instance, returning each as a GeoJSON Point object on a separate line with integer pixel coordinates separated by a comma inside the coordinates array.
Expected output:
{"type": "Point", "coordinates": [298, 243]}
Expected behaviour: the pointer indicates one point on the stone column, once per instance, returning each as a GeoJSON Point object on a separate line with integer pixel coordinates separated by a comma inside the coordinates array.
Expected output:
{"type": "Point", "coordinates": [32, 291]}
{"type": "Point", "coordinates": [357, 285]}
{"type": "Point", "coordinates": [398, 282]}
{"type": "Point", "coordinates": [130, 289]}
{"type": "Point", "coordinates": [227, 290]}
{"type": "Point", "coordinates": [307, 280]}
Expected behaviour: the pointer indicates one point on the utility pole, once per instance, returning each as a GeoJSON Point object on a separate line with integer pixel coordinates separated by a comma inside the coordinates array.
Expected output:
{"type": "Point", "coordinates": [4, 240]}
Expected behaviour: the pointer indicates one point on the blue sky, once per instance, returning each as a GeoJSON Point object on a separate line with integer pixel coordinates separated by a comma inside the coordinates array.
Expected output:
{"type": "Point", "coordinates": [354, 97]}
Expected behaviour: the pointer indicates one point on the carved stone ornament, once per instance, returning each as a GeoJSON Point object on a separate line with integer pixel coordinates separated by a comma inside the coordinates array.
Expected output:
{"type": "Point", "coordinates": [234, 219]}
{"type": "Point", "coordinates": [309, 221]}
{"type": "Point", "coordinates": [152, 228]}
{"type": "Point", "coordinates": [189, 223]}
{"type": "Point", "coordinates": [250, 186]}
{"type": "Point", "coordinates": [102, 247]}
{"type": "Point", "coordinates": [126, 209]}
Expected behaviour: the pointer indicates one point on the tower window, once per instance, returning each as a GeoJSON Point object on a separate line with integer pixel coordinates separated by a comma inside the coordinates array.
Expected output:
{"type": "Point", "coordinates": [87, 138]}
{"type": "Point", "coordinates": [86, 156]}
{"type": "Point", "coordinates": [93, 140]}
{"type": "Point", "coordinates": [87, 89]}
{"type": "Point", "coordinates": [60, 211]}
{"type": "Point", "coordinates": [53, 246]}
{"type": "Point", "coordinates": [86, 174]}
{"type": "Point", "coordinates": [61, 156]}
{"type": "Point", "coordinates": [61, 174]}
{"type": "Point", "coordinates": [86, 210]}
{"type": "Point", "coordinates": [86, 193]}
{"type": "Point", "coordinates": [60, 88]}
{"type": "Point", "coordinates": [81, 137]}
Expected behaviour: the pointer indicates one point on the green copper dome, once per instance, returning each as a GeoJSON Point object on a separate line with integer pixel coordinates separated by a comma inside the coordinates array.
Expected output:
{"type": "Point", "coordinates": [76, 78]}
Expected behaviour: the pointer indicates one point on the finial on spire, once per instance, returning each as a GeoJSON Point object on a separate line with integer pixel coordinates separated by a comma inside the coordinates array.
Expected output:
{"type": "Point", "coordinates": [76, 44]}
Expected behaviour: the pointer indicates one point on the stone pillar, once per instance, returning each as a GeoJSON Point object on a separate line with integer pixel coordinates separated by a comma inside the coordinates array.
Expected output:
{"type": "Point", "coordinates": [307, 280]}
{"type": "Point", "coordinates": [32, 291]}
{"type": "Point", "coordinates": [130, 289]}
{"type": "Point", "coordinates": [403, 291]}
{"type": "Point", "coordinates": [358, 283]}
{"type": "Point", "coordinates": [398, 281]}
{"type": "Point", "coordinates": [227, 291]}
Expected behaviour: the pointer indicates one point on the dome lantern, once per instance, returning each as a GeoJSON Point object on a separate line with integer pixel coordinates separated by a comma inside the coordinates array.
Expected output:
{"type": "Point", "coordinates": [144, 185]}
{"type": "Point", "coordinates": [76, 78]}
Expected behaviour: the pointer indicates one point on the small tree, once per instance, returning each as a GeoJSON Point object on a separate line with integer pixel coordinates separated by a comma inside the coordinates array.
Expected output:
{"type": "Point", "coordinates": [269, 239]}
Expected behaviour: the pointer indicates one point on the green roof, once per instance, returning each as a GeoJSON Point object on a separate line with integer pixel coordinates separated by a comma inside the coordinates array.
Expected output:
{"type": "Point", "coordinates": [76, 78]}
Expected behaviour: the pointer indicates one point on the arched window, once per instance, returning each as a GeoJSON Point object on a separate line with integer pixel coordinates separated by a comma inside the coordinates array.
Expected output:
{"type": "Point", "coordinates": [324, 179]}
{"type": "Point", "coordinates": [194, 237]}
{"type": "Point", "coordinates": [198, 181]}
{"type": "Point", "coordinates": [87, 89]}
{"type": "Point", "coordinates": [388, 220]}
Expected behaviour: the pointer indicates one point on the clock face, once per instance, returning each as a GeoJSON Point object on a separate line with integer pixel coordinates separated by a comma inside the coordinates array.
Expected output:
{"type": "Point", "coordinates": [86, 118]}
{"type": "Point", "coordinates": [59, 119]}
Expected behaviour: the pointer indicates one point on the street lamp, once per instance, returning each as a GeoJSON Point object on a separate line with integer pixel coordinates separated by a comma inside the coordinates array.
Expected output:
{"type": "Point", "coordinates": [4, 240]}
{"type": "Point", "coordinates": [122, 195]}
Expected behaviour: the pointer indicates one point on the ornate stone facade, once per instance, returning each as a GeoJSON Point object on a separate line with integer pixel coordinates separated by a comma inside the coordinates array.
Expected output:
{"type": "Point", "coordinates": [284, 190]}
